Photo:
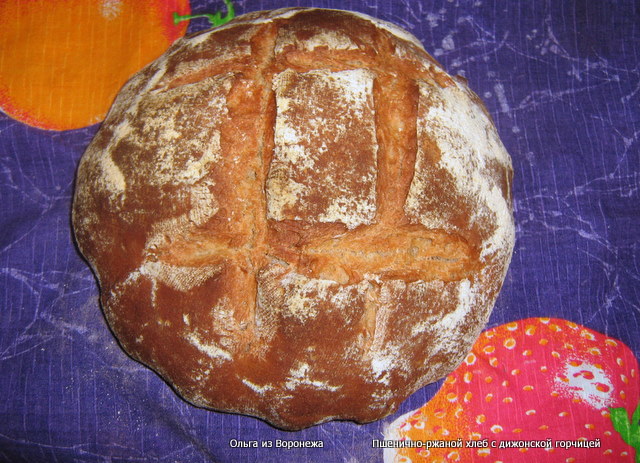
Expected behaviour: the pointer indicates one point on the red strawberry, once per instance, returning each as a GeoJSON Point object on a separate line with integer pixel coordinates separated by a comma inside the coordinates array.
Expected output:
{"type": "Point", "coordinates": [527, 385]}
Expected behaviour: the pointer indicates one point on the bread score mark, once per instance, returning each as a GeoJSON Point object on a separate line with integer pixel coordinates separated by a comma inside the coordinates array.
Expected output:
{"type": "Point", "coordinates": [376, 252]}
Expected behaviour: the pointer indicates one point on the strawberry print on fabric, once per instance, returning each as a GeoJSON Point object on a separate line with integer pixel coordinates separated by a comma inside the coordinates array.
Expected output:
{"type": "Point", "coordinates": [540, 388]}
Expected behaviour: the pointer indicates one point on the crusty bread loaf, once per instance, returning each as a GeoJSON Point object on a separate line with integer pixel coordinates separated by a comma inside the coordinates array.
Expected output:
{"type": "Point", "coordinates": [297, 216]}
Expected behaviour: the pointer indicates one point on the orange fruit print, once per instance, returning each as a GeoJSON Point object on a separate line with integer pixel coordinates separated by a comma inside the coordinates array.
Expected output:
{"type": "Point", "coordinates": [537, 389]}
{"type": "Point", "coordinates": [63, 61]}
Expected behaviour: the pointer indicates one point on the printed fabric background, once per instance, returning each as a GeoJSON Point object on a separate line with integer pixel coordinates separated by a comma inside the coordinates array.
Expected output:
{"type": "Point", "coordinates": [562, 82]}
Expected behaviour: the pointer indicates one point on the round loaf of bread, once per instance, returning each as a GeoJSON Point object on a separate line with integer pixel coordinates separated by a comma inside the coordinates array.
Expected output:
{"type": "Point", "coordinates": [298, 216]}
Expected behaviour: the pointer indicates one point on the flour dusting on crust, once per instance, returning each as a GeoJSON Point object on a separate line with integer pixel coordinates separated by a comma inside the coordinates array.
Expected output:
{"type": "Point", "coordinates": [319, 115]}
{"type": "Point", "coordinates": [469, 154]}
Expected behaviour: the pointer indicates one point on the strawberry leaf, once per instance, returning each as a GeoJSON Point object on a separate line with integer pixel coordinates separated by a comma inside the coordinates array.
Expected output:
{"type": "Point", "coordinates": [628, 430]}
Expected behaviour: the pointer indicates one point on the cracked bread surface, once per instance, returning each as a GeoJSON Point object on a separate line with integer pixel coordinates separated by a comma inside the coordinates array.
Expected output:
{"type": "Point", "coordinates": [297, 216]}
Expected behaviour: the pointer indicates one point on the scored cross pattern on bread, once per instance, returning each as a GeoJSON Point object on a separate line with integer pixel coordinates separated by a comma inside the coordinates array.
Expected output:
{"type": "Point", "coordinates": [298, 216]}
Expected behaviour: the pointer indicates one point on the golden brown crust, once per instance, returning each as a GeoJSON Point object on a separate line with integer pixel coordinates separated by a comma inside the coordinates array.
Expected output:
{"type": "Point", "coordinates": [298, 216]}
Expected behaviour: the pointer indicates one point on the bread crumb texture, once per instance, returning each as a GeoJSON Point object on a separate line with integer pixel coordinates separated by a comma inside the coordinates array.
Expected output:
{"type": "Point", "coordinates": [297, 216]}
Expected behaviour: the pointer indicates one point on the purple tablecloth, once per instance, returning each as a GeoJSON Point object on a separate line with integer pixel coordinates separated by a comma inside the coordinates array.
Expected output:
{"type": "Point", "coordinates": [562, 81]}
